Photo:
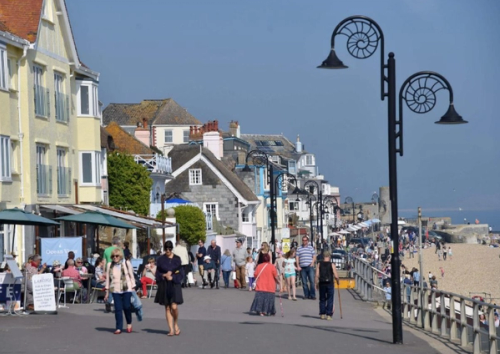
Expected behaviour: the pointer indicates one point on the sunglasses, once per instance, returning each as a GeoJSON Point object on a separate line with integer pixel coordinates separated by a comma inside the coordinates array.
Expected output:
{"type": "Point", "coordinates": [116, 256]}
{"type": "Point", "coordinates": [168, 248]}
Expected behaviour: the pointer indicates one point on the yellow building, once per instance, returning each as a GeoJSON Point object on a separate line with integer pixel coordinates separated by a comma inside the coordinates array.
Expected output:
{"type": "Point", "coordinates": [50, 151]}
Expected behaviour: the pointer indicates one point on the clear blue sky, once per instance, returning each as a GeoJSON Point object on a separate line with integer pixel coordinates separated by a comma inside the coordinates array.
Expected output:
{"type": "Point", "coordinates": [255, 62]}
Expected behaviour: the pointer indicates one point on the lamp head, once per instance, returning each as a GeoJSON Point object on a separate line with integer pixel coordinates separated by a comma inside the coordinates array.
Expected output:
{"type": "Point", "coordinates": [451, 117]}
{"type": "Point", "coordinates": [332, 62]}
{"type": "Point", "coordinates": [296, 191]}
{"type": "Point", "coordinates": [246, 168]}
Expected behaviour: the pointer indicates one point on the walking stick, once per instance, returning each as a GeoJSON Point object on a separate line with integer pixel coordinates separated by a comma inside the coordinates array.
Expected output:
{"type": "Point", "coordinates": [281, 306]}
{"type": "Point", "coordinates": [340, 301]}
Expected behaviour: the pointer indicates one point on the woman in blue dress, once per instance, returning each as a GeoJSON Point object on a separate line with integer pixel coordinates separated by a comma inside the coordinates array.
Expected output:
{"type": "Point", "coordinates": [169, 277]}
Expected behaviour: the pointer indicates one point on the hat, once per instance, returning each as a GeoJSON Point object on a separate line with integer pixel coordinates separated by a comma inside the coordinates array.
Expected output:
{"type": "Point", "coordinates": [206, 257]}
{"type": "Point", "coordinates": [96, 255]}
{"type": "Point", "coordinates": [238, 240]}
{"type": "Point", "coordinates": [13, 254]}
{"type": "Point", "coordinates": [56, 263]}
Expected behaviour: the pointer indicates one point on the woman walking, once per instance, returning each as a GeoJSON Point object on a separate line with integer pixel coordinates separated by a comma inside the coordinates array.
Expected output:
{"type": "Point", "coordinates": [290, 266]}
{"type": "Point", "coordinates": [169, 277]}
{"type": "Point", "coordinates": [266, 279]}
{"type": "Point", "coordinates": [226, 267]}
{"type": "Point", "coordinates": [120, 283]}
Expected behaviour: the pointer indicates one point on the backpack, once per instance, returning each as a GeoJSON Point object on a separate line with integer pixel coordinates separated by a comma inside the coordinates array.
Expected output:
{"type": "Point", "coordinates": [325, 273]}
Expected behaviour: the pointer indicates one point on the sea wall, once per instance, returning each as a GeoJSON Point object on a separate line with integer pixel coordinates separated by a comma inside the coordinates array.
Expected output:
{"type": "Point", "coordinates": [463, 233]}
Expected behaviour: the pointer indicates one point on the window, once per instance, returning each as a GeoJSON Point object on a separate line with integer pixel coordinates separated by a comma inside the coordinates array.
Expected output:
{"type": "Point", "coordinates": [309, 160]}
{"type": "Point", "coordinates": [63, 174]}
{"type": "Point", "coordinates": [212, 209]}
{"type": "Point", "coordinates": [90, 168]}
{"type": "Point", "coordinates": [41, 93]}
{"type": "Point", "coordinates": [5, 159]}
{"type": "Point", "coordinates": [245, 217]}
{"type": "Point", "coordinates": [43, 171]}
{"type": "Point", "coordinates": [61, 100]}
{"type": "Point", "coordinates": [294, 206]}
{"type": "Point", "coordinates": [195, 177]}
{"type": "Point", "coordinates": [185, 136]}
{"type": "Point", "coordinates": [88, 99]}
{"type": "Point", "coordinates": [4, 78]}
{"type": "Point", "coordinates": [169, 136]}
{"type": "Point", "coordinates": [292, 167]}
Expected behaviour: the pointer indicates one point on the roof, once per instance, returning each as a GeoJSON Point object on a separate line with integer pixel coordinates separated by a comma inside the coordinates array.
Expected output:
{"type": "Point", "coordinates": [107, 140]}
{"type": "Point", "coordinates": [156, 112]}
{"type": "Point", "coordinates": [21, 18]}
{"type": "Point", "coordinates": [124, 142]}
{"type": "Point", "coordinates": [272, 144]}
{"type": "Point", "coordinates": [181, 154]}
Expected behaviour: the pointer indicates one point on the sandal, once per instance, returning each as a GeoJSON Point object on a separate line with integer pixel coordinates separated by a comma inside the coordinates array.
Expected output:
{"type": "Point", "coordinates": [144, 297]}
{"type": "Point", "coordinates": [117, 331]}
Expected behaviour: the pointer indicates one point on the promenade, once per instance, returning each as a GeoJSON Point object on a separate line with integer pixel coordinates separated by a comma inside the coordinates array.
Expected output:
{"type": "Point", "coordinates": [216, 321]}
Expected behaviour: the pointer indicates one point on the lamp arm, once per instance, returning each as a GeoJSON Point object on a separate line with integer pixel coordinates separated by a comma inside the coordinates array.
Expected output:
{"type": "Point", "coordinates": [419, 92]}
{"type": "Point", "coordinates": [356, 32]}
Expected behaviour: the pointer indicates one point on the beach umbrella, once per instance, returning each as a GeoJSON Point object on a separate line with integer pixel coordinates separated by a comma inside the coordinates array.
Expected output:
{"type": "Point", "coordinates": [17, 216]}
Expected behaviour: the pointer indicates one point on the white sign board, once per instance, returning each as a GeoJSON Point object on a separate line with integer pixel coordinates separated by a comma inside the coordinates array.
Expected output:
{"type": "Point", "coordinates": [43, 292]}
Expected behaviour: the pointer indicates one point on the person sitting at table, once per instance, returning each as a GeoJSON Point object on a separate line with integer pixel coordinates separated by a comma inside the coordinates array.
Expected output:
{"type": "Point", "coordinates": [73, 273]}
{"type": "Point", "coordinates": [99, 280]}
{"type": "Point", "coordinates": [80, 267]}
{"type": "Point", "coordinates": [71, 255]}
{"type": "Point", "coordinates": [148, 276]}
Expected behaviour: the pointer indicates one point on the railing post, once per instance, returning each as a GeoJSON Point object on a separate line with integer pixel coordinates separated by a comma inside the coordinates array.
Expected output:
{"type": "Point", "coordinates": [420, 307]}
{"type": "Point", "coordinates": [492, 332]}
{"type": "Point", "coordinates": [370, 284]}
{"type": "Point", "coordinates": [476, 336]}
{"type": "Point", "coordinates": [413, 319]}
{"type": "Point", "coordinates": [453, 319]}
{"type": "Point", "coordinates": [464, 330]}
{"type": "Point", "coordinates": [444, 321]}
{"type": "Point", "coordinates": [427, 314]}
{"type": "Point", "coordinates": [434, 320]}
{"type": "Point", "coordinates": [405, 301]}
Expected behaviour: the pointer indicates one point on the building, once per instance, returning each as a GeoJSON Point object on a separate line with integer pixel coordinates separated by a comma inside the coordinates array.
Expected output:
{"type": "Point", "coordinates": [50, 148]}
{"type": "Point", "coordinates": [167, 122]}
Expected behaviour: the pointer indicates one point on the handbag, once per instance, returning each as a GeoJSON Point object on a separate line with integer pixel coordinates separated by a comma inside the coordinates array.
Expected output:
{"type": "Point", "coordinates": [190, 278]}
{"type": "Point", "coordinates": [233, 275]}
{"type": "Point", "coordinates": [254, 285]}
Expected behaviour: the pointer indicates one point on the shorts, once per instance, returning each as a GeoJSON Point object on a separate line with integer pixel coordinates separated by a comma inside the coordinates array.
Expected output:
{"type": "Point", "coordinates": [288, 275]}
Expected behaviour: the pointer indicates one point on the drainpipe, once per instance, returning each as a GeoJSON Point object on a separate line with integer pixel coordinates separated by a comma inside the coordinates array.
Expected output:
{"type": "Point", "coordinates": [21, 136]}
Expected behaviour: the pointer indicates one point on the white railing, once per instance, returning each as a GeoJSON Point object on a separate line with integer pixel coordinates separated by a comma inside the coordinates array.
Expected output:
{"type": "Point", "coordinates": [451, 316]}
{"type": "Point", "coordinates": [209, 223]}
{"type": "Point", "coordinates": [155, 163]}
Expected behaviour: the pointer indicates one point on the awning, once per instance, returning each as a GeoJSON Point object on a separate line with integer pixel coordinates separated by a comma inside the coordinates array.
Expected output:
{"type": "Point", "coordinates": [375, 221]}
{"type": "Point", "coordinates": [355, 227]}
{"type": "Point", "coordinates": [363, 224]}
{"type": "Point", "coordinates": [334, 234]}
{"type": "Point", "coordinates": [61, 209]}
{"type": "Point", "coordinates": [139, 221]}
{"type": "Point", "coordinates": [344, 232]}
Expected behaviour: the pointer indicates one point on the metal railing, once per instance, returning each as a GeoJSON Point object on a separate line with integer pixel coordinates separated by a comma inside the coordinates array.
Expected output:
{"type": "Point", "coordinates": [449, 315]}
{"type": "Point", "coordinates": [63, 181]}
{"type": "Point", "coordinates": [62, 107]}
{"type": "Point", "coordinates": [42, 101]}
{"type": "Point", "coordinates": [155, 163]}
{"type": "Point", "coordinates": [44, 179]}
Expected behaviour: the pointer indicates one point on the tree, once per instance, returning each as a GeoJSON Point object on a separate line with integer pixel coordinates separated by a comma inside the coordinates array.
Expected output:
{"type": "Point", "coordinates": [129, 184]}
{"type": "Point", "coordinates": [191, 220]}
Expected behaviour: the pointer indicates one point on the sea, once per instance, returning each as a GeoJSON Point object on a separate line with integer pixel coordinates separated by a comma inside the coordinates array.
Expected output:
{"type": "Point", "coordinates": [490, 217]}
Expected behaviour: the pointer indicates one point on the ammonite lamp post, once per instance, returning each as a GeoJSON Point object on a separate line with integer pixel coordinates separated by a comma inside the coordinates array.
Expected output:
{"type": "Point", "coordinates": [419, 92]}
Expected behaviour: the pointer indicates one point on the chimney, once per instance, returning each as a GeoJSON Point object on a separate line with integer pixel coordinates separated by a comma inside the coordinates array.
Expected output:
{"type": "Point", "coordinates": [298, 144]}
{"type": "Point", "coordinates": [234, 129]}
{"type": "Point", "coordinates": [142, 133]}
{"type": "Point", "coordinates": [212, 139]}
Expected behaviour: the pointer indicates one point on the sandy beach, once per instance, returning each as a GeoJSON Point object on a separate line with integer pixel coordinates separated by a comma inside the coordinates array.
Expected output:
{"type": "Point", "coordinates": [473, 268]}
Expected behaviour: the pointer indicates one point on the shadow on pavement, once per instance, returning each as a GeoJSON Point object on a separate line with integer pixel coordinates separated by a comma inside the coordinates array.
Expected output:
{"type": "Point", "coordinates": [334, 330]}
{"type": "Point", "coordinates": [155, 331]}
{"type": "Point", "coordinates": [105, 329]}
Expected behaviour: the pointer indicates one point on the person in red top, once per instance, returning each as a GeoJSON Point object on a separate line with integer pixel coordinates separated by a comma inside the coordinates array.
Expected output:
{"type": "Point", "coordinates": [74, 274]}
{"type": "Point", "coordinates": [266, 278]}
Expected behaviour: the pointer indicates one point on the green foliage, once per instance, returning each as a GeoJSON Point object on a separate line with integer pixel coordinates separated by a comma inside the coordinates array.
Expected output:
{"type": "Point", "coordinates": [191, 220]}
{"type": "Point", "coordinates": [129, 184]}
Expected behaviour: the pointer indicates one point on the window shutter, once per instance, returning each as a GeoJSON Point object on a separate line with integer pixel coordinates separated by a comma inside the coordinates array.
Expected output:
{"type": "Point", "coordinates": [50, 179]}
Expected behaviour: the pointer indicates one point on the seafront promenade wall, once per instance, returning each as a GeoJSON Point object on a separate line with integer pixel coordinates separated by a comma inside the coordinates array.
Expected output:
{"type": "Point", "coordinates": [464, 233]}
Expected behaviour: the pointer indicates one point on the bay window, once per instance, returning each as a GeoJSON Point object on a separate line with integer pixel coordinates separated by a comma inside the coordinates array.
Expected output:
{"type": "Point", "coordinates": [5, 159]}
{"type": "Point", "coordinates": [88, 99]}
{"type": "Point", "coordinates": [90, 168]}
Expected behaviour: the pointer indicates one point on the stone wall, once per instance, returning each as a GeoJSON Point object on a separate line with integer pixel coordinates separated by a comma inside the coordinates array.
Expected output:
{"type": "Point", "coordinates": [463, 233]}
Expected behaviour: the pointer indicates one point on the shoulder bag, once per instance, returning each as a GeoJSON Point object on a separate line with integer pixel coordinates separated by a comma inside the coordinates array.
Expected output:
{"type": "Point", "coordinates": [254, 285]}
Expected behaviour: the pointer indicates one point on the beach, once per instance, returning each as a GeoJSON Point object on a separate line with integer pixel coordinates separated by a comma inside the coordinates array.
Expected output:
{"type": "Point", "coordinates": [472, 269]}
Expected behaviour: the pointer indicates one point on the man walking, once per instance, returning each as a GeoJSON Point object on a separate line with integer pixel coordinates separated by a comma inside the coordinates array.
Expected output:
{"type": "Point", "coordinates": [202, 252]}
{"type": "Point", "coordinates": [306, 258]}
{"type": "Point", "coordinates": [239, 257]}
{"type": "Point", "coordinates": [215, 254]}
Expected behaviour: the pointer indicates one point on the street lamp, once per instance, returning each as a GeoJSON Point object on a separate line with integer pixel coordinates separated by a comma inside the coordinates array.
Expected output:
{"type": "Point", "coordinates": [334, 203]}
{"type": "Point", "coordinates": [163, 198]}
{"type": "Point", "coordinates": [309, 203]}
{"type": "Point", "coordinates": [309, 186]}
{"type": "Point", "coordinates": [419, 92]}
{"type": "Point", "coordinates": [349, 200]}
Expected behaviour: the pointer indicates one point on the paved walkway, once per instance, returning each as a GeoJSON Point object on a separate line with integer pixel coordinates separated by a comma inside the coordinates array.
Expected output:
{"type": "Point", "coordinates": [214, 321]}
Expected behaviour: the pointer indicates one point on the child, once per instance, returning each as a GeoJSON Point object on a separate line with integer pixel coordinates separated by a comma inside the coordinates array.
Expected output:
{"type": "Point", "coordinates": [442, 272]}
{"type": "Point", "coordinates": [326, 271]}
{"type": "Point", "coordinates": [250, 268]}
{"type": "Point", "coordinates": [388, 297]}
{"type": "Point", "coordinates": [450, 255]}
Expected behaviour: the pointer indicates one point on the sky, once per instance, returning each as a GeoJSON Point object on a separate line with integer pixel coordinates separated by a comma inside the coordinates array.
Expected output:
{"type": "Point", "coordinates": [255, 62]}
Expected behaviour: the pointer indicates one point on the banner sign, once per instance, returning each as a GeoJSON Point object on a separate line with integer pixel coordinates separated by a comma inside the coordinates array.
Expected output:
{"type": "Point", "coordinates": [57, 248]}
{"type": "Point", "coordinates": [44, 298]}
{"type": "Point", "coordinates": [285, 244]}
{"type": "Point", "coordinates": [6, 290]}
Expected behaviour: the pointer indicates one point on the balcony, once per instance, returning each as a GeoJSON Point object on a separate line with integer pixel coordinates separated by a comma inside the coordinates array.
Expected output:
{"type": "Point", "coordinates": [63, 181]}
{"type": "Point", "coordinates": [62, 107]}
{"type": "Point", "coordinates": [43, 179]}
{"type": "Point", "coordinates": [155, 163]}
{"type": "Point", "coordinates": [42, 101]}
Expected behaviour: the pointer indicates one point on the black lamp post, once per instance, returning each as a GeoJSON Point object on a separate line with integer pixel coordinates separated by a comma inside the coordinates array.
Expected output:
{"type": "Point", "coordinates": [334, 206]}
{"type": "Point", "coordinates": [349, 200]}
{"type": "Point", "coordinates": [309, 186]}
{"type": "Point", "coordinates": [419, 92]}
{"type": "Point", "coordinates": [281, 180]}
{"type": "Point", "coordinates": [309, 203]}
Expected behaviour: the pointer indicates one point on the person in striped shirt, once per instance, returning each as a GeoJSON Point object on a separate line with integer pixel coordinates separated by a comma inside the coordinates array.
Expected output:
{"type": "Point", "coordinates": [306, 259]}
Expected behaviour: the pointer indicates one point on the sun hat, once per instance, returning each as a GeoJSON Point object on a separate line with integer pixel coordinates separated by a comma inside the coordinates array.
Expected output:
{"type": "Point", "coordinates": [206, 257]}
{"type": "Point", "coordinates": [56, 263]}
